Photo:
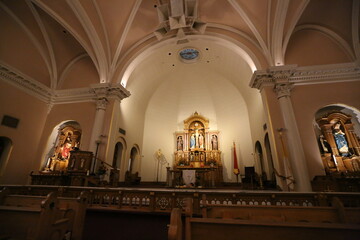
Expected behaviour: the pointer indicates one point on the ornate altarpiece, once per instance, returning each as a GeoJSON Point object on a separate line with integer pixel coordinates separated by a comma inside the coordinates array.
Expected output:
{"type": "Point", "coordinates": [68, 140]}
{"type": "Point", "coordinates": [338, 143]}
{"type": "Point", "coordinates": [197, 148]}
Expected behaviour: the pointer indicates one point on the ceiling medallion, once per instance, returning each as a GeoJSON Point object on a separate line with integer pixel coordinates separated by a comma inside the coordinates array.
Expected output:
{"type": "Point", "coordinates": [189, 54]}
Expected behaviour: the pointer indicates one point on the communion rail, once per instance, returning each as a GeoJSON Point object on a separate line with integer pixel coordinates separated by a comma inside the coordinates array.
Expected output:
{"type": "Point", "coordinates": [159, 200]}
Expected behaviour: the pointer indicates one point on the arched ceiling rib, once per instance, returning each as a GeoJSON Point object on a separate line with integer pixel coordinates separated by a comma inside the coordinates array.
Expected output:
{"type": "Point", "coordinates": [111, 32]}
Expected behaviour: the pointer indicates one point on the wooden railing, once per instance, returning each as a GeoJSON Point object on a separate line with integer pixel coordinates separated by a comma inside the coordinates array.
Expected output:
{"type": "Point", "coordinates": [164, 200]}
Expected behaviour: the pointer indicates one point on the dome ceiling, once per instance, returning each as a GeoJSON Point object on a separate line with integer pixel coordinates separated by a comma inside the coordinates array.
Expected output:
{"type": "Point", "coordinates": [43, 41]}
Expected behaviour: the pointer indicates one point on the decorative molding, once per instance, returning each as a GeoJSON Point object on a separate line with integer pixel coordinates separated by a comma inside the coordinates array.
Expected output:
{"type": "Point", "coordinates": [52, 97]}
{"type": "Point", "coordinates": [305, 75]}
{"type": "Point", "coordinates": [106, 90]}
{"type": "Point", "coordinates": [26, 84]}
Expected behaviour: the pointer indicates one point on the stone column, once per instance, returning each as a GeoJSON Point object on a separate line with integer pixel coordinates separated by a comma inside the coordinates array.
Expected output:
{"type": "Point", "coordinates": [295, 149]}
{"type": "Point", "coordinates": [101, 104]}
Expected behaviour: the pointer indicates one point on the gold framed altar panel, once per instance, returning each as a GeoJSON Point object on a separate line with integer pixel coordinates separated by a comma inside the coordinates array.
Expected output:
{"type": "Point", "coordinates": [197, 147]}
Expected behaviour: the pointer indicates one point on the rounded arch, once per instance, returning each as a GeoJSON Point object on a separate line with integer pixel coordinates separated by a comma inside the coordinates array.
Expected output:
{"type": "Point", "coordinates": [259, 159]}
{"type": "Point", "coordinates": [67, 130]}
{"type": "Point", "coordinates": [337, 131]}
{"type": "Point", "coordinates": [5, 151]}
{"type": "Point", "coordinates": [235, 46]}
{"type": "Point", "coordinates": [309, 42]}
{"type": "Point", "coordinates": [331, 35]}
{"type": "Point", "coordinates": [119, 152]}
{"type": "Point", "coordinates": [134, 160]}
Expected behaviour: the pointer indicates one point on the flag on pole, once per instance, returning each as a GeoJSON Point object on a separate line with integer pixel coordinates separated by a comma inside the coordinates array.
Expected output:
{"type": "Point", "coordinates": [236, 167]}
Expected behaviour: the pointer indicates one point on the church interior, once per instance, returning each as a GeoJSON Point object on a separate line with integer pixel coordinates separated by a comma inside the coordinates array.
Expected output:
{"type": "Point", "coordinates": [188, 119]}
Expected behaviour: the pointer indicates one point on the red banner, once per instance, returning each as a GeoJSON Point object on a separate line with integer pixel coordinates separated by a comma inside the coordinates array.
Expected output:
{"type": "Point", "coordinates": [236, 167]}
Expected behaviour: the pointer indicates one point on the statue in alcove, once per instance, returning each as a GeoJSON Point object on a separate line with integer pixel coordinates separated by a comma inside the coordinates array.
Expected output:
{"type": "Point", "coordinates": [340, 140]}
{"type": "Point", "coordinates": [201, 141]}
{"type": "Point", "coordinates": [66, 147]}
{"type": "Point", "coordinates": [214, 142]}
{"type": "Point", "coordinates": [192, 141]}
{"type": "Point", "coordinates": [180, 143]}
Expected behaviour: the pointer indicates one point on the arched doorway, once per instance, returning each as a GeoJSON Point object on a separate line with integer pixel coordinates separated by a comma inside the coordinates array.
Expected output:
{"type": "Point", "coordinates": [118, 152]}
{"type": "Point", "coordinates": [259, 160]}
{"type": "Point", "coordinates": [133, 161]}
{"type": "Point", "coordinates": [5, 150]}
{"type": "Point", "coordinates": [116, 164]}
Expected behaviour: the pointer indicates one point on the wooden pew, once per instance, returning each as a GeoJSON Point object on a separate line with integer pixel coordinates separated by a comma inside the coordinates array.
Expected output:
{"type": "Point", "coordinates": [31, 217]}
{"type": "Point", "coordinates": [335, 214]}
{"type": "Point", "coordinates": [268, 222]}
{"type": "Point", "coordinates": [75, 210]}
{"type": "Point", "coordinates": [175, 226]}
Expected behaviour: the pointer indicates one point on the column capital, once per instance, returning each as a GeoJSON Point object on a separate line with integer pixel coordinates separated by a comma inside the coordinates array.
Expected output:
{"type": "Point", "coordinates": [283, 89]}
{"type": "Point", "coordinates": [107, 90]}
{"type": "Point", "coordinates": [272, 75]}
{"type": "Point", "coordinates": [101, 103]}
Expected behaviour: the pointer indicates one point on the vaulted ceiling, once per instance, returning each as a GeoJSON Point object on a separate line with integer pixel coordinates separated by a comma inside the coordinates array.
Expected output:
{"type": "Point", "coordinates": [65, 44]}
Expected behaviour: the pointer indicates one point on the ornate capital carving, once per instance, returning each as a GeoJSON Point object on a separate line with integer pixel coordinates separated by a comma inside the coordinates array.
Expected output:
{"type": "Point", "coordinates": [305, 75]}
{"type": "Point", "coordinates": [273, 75]}
{"type": "Point", "coordinates": [101, 103]}
{"type": "Point", "coordinates": [105, 90]}
{"type": "Point", "coordinates": [283, 89]}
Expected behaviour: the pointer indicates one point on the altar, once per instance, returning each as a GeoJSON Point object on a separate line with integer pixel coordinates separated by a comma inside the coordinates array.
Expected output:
{"type": "Point", "coordinates": [197, 148]}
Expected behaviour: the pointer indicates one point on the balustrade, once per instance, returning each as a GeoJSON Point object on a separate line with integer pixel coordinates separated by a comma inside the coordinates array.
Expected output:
{"type": "Point", "coordinates": [164, 200]}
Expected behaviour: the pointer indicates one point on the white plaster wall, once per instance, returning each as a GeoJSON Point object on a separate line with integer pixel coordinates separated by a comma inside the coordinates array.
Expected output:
{"type": "Point", "coordinates": [178, 97]}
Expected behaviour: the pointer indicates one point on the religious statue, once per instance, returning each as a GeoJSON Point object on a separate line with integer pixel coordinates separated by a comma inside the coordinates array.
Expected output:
{"type": "Point", "coordinates": [66, 147]}
{"type": "Point", "coordinates": [192, 141]}
{"type": "Point", "coordinates": [180, 143]}
{"type": "Point", "coordinates": [214, 142]}
{"type": "Point", "coordinates": [201, 141]}
{"type": "Point", "coordinates": [340, 140]}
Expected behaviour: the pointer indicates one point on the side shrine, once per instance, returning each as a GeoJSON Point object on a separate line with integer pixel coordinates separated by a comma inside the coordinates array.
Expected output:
{"type": "Point", "coordinates": [197, 156]}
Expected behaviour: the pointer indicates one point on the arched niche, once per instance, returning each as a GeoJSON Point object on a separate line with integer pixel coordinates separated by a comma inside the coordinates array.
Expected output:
{"type": "Point", "coordinates": [337, 131]}
{"type": "Point", "coordinates": [134, 161]}
{"type": "Point", "coordinates": [5, 150]}
{"type": "Point", "coordinates": [64, 138]}
{"type": "Point", "coordinates": [259, 159]}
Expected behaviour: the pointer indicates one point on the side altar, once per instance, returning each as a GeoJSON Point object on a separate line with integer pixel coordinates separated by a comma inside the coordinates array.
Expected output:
{"type": "Point", "coordinates": [197, 149]}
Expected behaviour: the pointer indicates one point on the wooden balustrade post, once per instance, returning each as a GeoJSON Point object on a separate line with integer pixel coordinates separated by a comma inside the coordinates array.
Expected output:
{"type": "Point", "coordinates": [91, 197]}
{"type": "Point", "coordinates": [321, 200]}
{"type": "Point", "coordinates": [196, 203]}
{"type": "Point", "coordinates": [121, 195]}
{"type": "Point", "coordinates": [152, 201]}
{"type": "Point", "coordinates": [204, 206]}
{"type": "Point", "coordinates": [173, 200]}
